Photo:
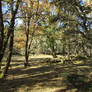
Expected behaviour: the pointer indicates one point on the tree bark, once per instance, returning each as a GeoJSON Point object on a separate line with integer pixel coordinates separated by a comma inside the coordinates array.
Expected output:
{"type": "Point", "coordinates": [10, 54]}
{"type": "Point", "coordinates": [64, 47]}
{"type": "Point", "coordinates": [10, 36]}
{"type": "Point", "coordinates": [11, 28]}
{"type": "Point", "coordinates": [69, 49]}
{"type": "Point", "coordinates": [1, 30]}
{"type": "Point", "coordinates": [26, 45]}
{"type": "Point", "coordinates": [53, 51]}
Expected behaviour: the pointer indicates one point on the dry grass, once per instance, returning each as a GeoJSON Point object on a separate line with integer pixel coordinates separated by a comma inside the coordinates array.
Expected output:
{"type": "Point", "coordinates": [40, 76]}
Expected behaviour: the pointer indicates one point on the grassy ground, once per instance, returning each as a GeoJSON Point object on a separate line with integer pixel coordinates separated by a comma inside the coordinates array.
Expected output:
{"type": "Point", "coordinates": [47, 77]}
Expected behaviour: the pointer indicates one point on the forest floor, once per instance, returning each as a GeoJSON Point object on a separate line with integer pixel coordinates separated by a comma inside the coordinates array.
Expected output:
{"type": "Point", "coordinates": [47, 77]}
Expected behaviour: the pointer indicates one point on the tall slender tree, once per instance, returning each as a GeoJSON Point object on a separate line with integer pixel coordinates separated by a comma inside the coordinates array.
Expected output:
{"type": "Point", "coordinates": [10, 35]}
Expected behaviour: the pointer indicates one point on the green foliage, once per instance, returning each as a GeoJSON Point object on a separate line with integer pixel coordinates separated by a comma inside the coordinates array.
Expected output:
{"type": "Point", "coordinates": [1, 75]}
{"type": "Point", "coordinates": [81, 58]}
{"type": "Point", "coordinates": [50, 41]}
{"type": "Point", "coordinates": [8, 0]}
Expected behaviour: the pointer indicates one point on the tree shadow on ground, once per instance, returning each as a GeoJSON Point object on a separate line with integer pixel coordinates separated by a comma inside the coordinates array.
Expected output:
{"type": "Point", "coordinates": [30, 77]}
{"type": "Point", "coordinates": [78, 82]}
{"type": "Point", "coordinates": [45, 75]}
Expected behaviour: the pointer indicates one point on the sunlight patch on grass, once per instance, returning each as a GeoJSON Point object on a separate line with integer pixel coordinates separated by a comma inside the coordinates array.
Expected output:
{"type": "Point", "coordinates": [20, 76]}
{"type": "Point", "coordinates": [46, 89]}
{"type": "Point", "coordinates": [1, 75]}
{"type": "Point", "coordinates": [41, 56]}
{"type": "Point", "coordinates": [32, 67]}
{"type": "Point", "coordinates": [82, 67]}
{"type": "Point", "coordinates": [78, 62]}
{"type": "Point", "coordinates": [58, 78]}
{"type": "Point", "coordinates": [41, 74]}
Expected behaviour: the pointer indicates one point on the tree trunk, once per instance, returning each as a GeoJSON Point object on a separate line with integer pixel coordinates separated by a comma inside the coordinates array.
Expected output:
{"type": "Point", "coordinates": [53, 52]}
{"type": "Point", "coordinates": [1, 31]}
{"type": "Point", "coordinates": [1, 28]}
{"type": "Point", "coordinates": [11, 28]}
{"type": "Point", "coordinates": [63, 51]}
{"type": "Point", "coordinates": [69, 50]}
{"type": "Point", "coordinates": [26, 52]}
{"type": "Point", "coordinates": [10, 54]}
{"type": "Point", "coordinates": [26, 45]}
